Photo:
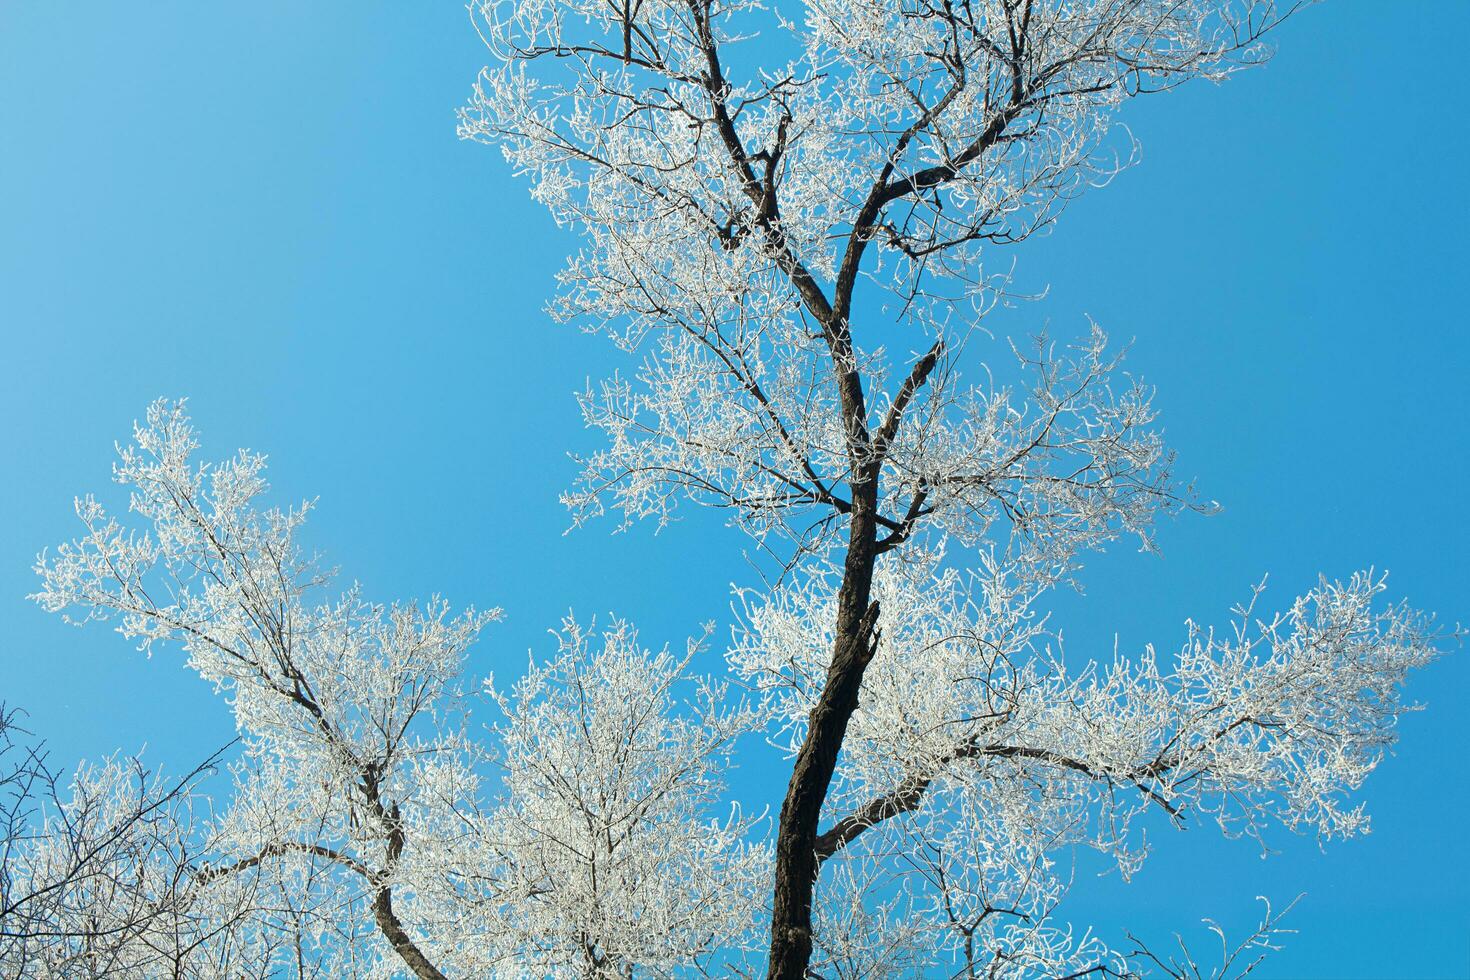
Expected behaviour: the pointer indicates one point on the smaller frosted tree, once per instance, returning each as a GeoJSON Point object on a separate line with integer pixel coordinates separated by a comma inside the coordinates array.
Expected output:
{"type": "Point", "coordinates": [359, 822]}
{"type": "Point", "coordinates": [352, 752]}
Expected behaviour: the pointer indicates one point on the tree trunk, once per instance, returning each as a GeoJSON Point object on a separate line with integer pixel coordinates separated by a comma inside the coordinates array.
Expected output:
{"type": "Point", "coordinates": [796, 838]}
{"type": "Point", "coordinates": [388, 922]}
{"type": "Point", "coordinates": [399, 938]}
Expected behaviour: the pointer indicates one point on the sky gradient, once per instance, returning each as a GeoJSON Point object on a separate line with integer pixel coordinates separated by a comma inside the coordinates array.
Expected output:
{"type": "Point", "coordinates": [263, 207]}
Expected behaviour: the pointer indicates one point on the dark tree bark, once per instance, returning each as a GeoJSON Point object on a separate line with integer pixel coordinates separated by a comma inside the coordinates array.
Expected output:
{"type": "Point", "coordinates": [796, 838]}
{"type": "Point", "coordinates": [399, 938]}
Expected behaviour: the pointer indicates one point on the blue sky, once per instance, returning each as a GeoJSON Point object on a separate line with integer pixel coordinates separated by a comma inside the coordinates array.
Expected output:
{"type": "Point", "coordinates": [264, 207]}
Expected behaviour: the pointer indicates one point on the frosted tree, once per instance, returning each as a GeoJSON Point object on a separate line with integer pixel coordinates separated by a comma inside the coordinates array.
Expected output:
{"type": "Point", "coordinates": [743, 175]}
{"type": "Point", "coordinates": [343, 771]}
{"type": "Point", "coordinates": [357, 827]}
{"type": "Point", "coordinates": [786, 211]}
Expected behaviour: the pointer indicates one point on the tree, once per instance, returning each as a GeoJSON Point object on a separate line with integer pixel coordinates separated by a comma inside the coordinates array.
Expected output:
{"type": "Point", "coordinates": [738, 201]}
{"type": "Point", "coordinates": [733, 203]}
{"type": "Point", "coordinates": [94, 882]}
{"type": "Point", "coordinates": [357, 826]}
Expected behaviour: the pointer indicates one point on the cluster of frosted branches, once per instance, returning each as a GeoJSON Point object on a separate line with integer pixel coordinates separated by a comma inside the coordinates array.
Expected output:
{"type": "Point", "coordinates": [1062, 469]}
{"type": "Point", "coordinates": [719, 197]}
{"type": "Point", "coordinates": [94, 874]}
{"type": "Point", "coordinates": [1059, 467]}
{"type": "Point", "coordinates": [1237, 961]}
{"type": "Point", "coordinates": [972, 893]}
{"type": "Point", "coordinates": [977, 757]}
{"type": "Point", "coordinates": [703, 171]}
{"type": "Point", "coordinates": [614, 761]}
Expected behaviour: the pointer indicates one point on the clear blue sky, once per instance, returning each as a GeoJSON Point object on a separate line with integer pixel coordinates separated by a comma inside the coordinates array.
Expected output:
{"type": "Point", "coordinates": [264, 207]}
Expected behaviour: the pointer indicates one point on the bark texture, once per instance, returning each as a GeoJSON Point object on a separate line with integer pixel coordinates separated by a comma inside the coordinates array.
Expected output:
{"type": "Point", "coordinates": [796, 840]}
